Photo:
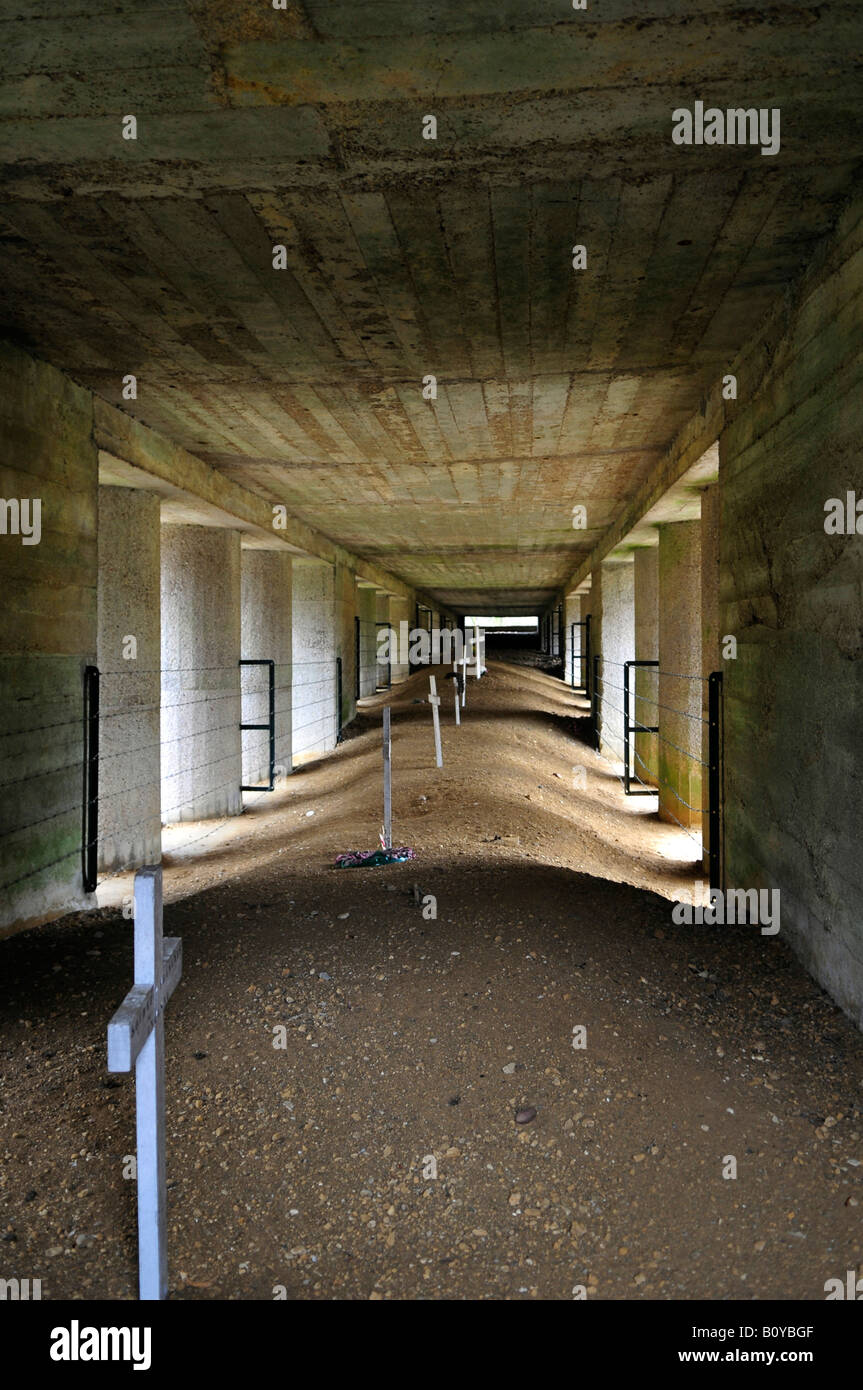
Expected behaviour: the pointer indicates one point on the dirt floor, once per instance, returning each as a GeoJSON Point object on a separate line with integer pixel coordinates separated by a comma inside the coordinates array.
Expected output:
{"type": "Point", "coordinates": [308, 1168]}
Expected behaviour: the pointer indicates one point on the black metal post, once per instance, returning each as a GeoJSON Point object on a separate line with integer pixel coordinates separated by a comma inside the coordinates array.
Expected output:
{"type": "Point", "coordinates": [587, 656]}
{"type": "Point", "coordinates": [338, 698]}
{"type": "Point", "coordinates": [358, 645]}
{"type": "Point", "coordinates": [572, 655]}
{"type": "Point", "coordinates": [90, 846]}
{"type": "Point", "coordinates": [714, 777]}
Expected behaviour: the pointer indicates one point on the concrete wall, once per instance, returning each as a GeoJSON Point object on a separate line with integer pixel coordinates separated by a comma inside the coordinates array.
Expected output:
{"type": "Point", "coordinates": [130, 823]}
{"type": "Point", "coordinates": [680, 656]}
{"type": "Point", "coordinates": [315, 647]}
{"type": "Point", "coordinates": [201, 746]}
{"type": "Point", "coordinates": [645, 761]}
{"type": "Point", "coordinates": [618, 646]}
{"type": "Point", "coordinates": [367, 614]}
{"type": "Point", "coordinates": [265, 634]}
{"type": "Point", "coordinates": [47, 635]}
{"type": "Point", "coordinates": [793, 597]}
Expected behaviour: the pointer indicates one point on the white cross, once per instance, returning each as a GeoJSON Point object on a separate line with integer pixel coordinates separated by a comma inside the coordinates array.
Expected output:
{"type": "Point", "coordinates": [136, 1037]}
{"type": "Point", "coordinates": [434, 701]}
{"type": "Point", "coordinates": [388, 779]}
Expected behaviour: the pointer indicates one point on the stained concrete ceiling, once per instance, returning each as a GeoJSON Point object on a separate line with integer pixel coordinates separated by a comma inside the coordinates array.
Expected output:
{"type": "Point", "coordinates": [408, 257]}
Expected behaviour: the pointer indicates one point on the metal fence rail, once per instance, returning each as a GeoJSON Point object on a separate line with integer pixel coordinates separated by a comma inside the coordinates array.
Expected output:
{"type": "Point", "coordinates": [87, 743]}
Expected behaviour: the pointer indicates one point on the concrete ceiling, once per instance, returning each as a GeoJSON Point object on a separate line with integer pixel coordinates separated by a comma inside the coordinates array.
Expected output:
{"type": "Point", "coordinates": [409, 257]}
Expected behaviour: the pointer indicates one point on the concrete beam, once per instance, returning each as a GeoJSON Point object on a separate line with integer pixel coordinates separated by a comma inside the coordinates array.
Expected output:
{"type": "Point", "coordinates": [671, 493]}
{"type": "Point", "coordinates": [136, 456]}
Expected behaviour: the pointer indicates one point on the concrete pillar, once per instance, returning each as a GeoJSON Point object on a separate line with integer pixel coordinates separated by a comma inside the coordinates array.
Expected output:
{"type": "Point", "coordinates": [129, 658]}
{"type": "Point", "coordinates": [423, 623]}
{"type": "Point", "coordinates": [646, 680]}
{"type": "Point", "coordinates": [265, 627]}
{"type": "Point", "coordinates": [382, 615]}
{"type": "Point", "coordinates": [401, 611]}
{"type": "Point", "coordinates": [201, 746]}
{"type": "Point", "coordinates": [587, 634]}
{"type": "Point", "coordinates": [595, 613]}
{"type": "Point", "coordinates": [315, 648]}
{"type": "Point", "coordinates": [367, 600]}
{"type": "Point", "coordinates": [680, 794]}
{"type": "Point", "coordinates": [711, 644]}
{"type": "Point", "coordinates": [618, 646]}
{"type": "Point", "coordinates": [346, 615]}
{"type": "Point", "coordinates": [572, 655]}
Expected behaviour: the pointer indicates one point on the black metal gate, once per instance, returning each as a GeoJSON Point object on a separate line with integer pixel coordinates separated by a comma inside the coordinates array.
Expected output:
{"type": "Point", "coordinates": [270, 725]}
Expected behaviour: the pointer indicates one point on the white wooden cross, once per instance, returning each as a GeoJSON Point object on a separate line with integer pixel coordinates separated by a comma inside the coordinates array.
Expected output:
{"type": "Point", "coordinates": [136, 1037]}
{"type": "Point", "coordinates": [434, 701]}
{"type": "Point", "coordinates": [388, 779]}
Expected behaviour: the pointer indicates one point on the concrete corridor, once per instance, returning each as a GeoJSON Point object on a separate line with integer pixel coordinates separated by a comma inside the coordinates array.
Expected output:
{"type": "Point", "coordinates": [410, 1039]}
{"type": "Point", "coordinates": [341, 341]}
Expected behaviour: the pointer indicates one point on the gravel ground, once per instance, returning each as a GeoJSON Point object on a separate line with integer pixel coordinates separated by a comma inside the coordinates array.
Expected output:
{"type": "Point", "coordinates": [412, 1041]}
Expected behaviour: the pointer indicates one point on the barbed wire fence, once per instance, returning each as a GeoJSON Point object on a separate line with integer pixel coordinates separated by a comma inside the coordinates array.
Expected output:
{"type": "Point", "coordinates": [85, 828]}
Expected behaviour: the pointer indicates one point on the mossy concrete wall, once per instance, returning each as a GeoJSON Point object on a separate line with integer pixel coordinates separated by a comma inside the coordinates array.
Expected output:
{"type": "Point", "coordinates": [680, 779]}
{"type": "Point", "coordinates": [793, 597]}
{"type": "Point", "coordinates": [47, 636]}
{"type": "Point", "coordinates": [130, 825]}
